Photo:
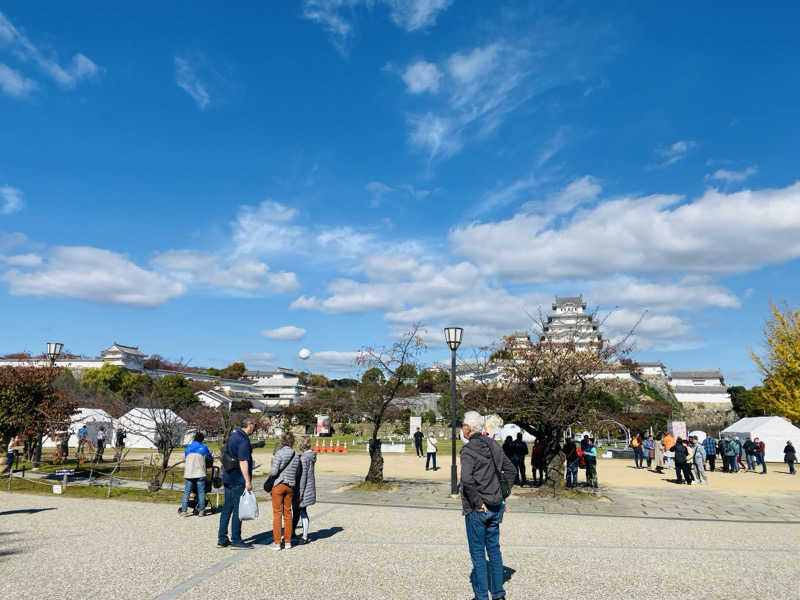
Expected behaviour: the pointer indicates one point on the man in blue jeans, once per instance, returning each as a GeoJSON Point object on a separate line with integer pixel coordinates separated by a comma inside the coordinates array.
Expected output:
{"type": "Point", "coordinates": [236, 481]}
{"type": "Point", "coordinates": [482, 460]}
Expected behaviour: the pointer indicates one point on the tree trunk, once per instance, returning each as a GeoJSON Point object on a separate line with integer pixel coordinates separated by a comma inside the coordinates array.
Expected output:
{"type": "Point", "coordinates": [375, 473]}
{"type": "Point", "coordinates": [158, 480]}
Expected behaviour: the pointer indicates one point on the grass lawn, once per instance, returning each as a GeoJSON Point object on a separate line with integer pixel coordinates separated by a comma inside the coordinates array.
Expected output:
{"type": "Point", "coordinates": [31, 486]}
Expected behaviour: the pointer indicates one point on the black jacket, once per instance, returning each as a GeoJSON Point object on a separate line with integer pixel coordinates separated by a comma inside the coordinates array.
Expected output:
{"type": "Point", "coordinates": [418, 436]}
{"type": "Point", "coordinates": [481, 458]}
{"type": "Point", "coordinates": [681, 453]}
{"type": "Point", "coordinates": [789, 454]}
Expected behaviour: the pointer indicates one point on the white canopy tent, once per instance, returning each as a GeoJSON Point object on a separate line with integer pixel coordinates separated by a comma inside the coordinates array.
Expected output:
{"type": "Point", "coordinates": [143, 425]}
{"type": "Point", "coordinates": [93, 418]}
{"type": "Point", "coordinates": [773, 431]}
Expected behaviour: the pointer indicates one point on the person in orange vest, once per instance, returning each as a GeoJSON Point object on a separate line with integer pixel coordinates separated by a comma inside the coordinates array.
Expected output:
{"type": "Point", "coordinates": [668, 442]}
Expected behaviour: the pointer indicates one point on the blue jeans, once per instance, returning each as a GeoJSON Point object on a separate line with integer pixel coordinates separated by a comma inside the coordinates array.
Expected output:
{"type": "Point", "coordinates": [483, 538]}
{"type": "Point", "coordinates": [201, 494]}
{"type": "Point", "coordinates": [572, 474]}
{"type": "Point", "coordinates": [751, 461]}
{"type": "Point", "coordinates": [230, 512]}
{"type": "Point", "coordinates": [760, 458]}
{"type": "Point", "coordinates": [638, 457]}
{"type": "Point", "coordinates": [430, 455]}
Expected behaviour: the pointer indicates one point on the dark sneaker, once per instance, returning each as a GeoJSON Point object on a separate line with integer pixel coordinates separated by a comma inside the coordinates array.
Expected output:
{"type": "Point", "coordinates": [207, 512]}
{"type": "Point", "coordinates": [242, 546]}
{"type": "Point", "coordinates": [182, 513]}
{"type": "Point", "coordinates": [223, 544]}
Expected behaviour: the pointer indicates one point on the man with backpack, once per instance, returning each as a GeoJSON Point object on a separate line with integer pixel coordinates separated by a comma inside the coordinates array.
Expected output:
{"type": "Point", "coordinates": [237, 473]}
{"type": "Point", "coordinates": [730, 453]}
{"type": "Point", "coordinates": [486, 479]}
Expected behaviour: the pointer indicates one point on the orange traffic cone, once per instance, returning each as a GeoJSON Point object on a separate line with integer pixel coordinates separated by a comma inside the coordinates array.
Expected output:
{"type": "Point", "coordinates": [338, 448]}
{"type": "Point", "coordinates": [322, 447]}
{"type": "Point", "coordinates": [345, 448]}
{"type": "Point", "coordinates": [316, 445]}
{"type": "Point", "coordinates": [330, 446]}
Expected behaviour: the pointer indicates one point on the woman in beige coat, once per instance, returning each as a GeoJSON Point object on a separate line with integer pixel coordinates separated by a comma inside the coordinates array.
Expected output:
{"type": "Point", "coordinates": [658, 448]}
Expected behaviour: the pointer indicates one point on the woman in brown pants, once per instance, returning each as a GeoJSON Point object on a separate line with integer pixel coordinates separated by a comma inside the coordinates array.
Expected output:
{"type": "Point", "coordinates": [284, 468]}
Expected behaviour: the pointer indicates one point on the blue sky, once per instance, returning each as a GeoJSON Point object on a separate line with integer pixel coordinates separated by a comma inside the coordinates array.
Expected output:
{"type": "Point", "coordinates": [224, 183]}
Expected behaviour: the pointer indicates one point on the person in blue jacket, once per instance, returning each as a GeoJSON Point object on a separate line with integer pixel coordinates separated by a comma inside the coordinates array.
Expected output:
{"type": "Point", "coordinates": [197, 456]}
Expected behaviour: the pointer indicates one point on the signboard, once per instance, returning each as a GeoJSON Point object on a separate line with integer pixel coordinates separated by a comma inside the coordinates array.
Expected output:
{"type": "Point", "coordinates": [323, 425]}
{"type": "Point", "coordinates": [413, 423]}
{"type": "Point", "coordinates": [677, 429]}
{"type": "Point", "coordinates": [56, 489]}
{"type": "Point", "coordinates": [62, 472]}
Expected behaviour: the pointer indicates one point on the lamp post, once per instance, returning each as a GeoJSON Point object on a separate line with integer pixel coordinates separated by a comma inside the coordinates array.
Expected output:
{"type": "Point", "coordinates": [53, 352]}
{"type": "Point", "coordinates": [452, 336]}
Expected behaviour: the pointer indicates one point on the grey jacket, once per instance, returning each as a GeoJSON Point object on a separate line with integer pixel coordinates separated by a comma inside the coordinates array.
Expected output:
{"type": "Point", "coordinates": [481, 458]}
{"type": "Point", "coordinates": [306, 492]}
{"type": "Point", "coordinates": [285, 457]}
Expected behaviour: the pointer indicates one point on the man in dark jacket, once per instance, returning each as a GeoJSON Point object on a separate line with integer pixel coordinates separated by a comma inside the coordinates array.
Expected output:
{"type": "Point", "coordinates": [519, 450]}
{"type": "Point", "coordinates": [418, 436]}
{"type": "Point", "coordinates": [683, 469]}
{"type": "Point", "coordinates": [482, 465]}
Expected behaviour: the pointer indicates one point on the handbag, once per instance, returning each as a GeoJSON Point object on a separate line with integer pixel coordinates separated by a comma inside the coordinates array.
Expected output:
{"type": "Point", "coordinates": [270, 481]}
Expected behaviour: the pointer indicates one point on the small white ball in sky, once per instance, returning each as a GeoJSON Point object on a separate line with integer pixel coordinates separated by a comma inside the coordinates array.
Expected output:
{"type": "Point", "coordinates": [304, 354]}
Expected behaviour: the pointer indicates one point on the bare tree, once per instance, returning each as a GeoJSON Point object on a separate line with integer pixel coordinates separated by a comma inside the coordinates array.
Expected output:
{"type": "Point", "coordinates": [161, 427]}
{"type": "Point", "coordinates": [380, 386]}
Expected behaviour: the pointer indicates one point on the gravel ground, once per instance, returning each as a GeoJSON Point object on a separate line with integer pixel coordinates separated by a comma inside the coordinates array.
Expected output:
{"type": "Point", "coordinates": [106, 549]}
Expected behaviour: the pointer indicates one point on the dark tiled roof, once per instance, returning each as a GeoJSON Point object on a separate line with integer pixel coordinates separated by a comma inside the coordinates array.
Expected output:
{"type": "Point", "coordinates": [562, 300]}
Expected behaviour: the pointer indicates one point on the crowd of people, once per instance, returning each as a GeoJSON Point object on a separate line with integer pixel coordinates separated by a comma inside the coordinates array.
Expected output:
{"type": "Point", "coordinates": [583, 456]}
{"type": "Point", "coordinates": [690, 456]}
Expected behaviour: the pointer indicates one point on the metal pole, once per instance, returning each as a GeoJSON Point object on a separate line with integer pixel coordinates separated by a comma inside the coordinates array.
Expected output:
{"type": "Point", "coordinates": [453, 468]}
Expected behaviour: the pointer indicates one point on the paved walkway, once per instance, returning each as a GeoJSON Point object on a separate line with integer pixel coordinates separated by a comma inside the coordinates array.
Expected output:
{"type": "Point", "coordinates": [56, 547]}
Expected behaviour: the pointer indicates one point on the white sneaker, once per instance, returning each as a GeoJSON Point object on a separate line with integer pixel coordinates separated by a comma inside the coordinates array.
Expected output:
{"type": "Point", "coordinates": [288, 545]}
{"type": "Point", "coordinates": [275, 547]}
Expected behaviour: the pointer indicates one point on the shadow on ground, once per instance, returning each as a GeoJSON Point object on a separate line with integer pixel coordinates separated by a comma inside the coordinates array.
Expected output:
{"type": "Point", "coordinates": [26, 511]}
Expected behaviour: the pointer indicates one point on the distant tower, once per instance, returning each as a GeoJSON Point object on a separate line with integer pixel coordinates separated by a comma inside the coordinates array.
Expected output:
{"type": "Point", "coordinates": [569, 322]}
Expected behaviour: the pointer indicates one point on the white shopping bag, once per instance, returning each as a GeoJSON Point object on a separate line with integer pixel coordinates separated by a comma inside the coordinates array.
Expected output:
{"type": "Point", "coordinates": [248, 507]}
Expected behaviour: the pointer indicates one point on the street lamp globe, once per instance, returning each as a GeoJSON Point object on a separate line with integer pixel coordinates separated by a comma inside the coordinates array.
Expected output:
{"type": "Point", "coordinates": [54, 350]}
{"type": "Point", "coordinates": [452, 336]}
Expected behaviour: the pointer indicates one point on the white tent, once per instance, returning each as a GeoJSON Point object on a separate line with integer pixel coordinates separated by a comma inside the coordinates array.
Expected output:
{"type": "Point", "coordinates": [93, 418]}
{"type": "Point", "coordinates": [773, 431]}
{"type": "Point", "coordinates": [143, 424]}
{"type": "Point", "coordinates": [513, 429]}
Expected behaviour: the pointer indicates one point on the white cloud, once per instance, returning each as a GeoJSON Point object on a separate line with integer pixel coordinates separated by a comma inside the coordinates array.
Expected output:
{"type": "Point", "coordinates": [378, 191]}
{"type": "Point", "coordinates": [675, 152]}
{"type": "Point", "coordinates": [95, 275]}
{"type": "Point", "coordinates": [505, 195]}
{"type": "Point", "coordinates": [688, 293]}
{"type": "Point", "coordinates": [305, 303]}
{"type": "Point", "coordinates": [265, 229]}
{"type": "Point", "coordinates": [79, 69]}
{"type": "Point", "coordinates": [576, 193]}
{"type": "Point", "coordinates": [337, 16]}
{"type": "Point", "coordinates": [10, 200]}
{"type": "Point", "coordinates": [15, 84]}
{"type": "Point", "coordinates": [204, 269]}
{"type": "Point", "coordinates": [287, 332]}
{"type": "Point", "coordinates": [422, 76]}
{"type": "Point", "coordinates": [436, 135]}
{"type": "Point", "coordinates": [186, 78]}
{"type": "Point", "coordinates": [24, 260]}
{"type": "Point", "coordinates": [335, 361]}
{"type": "Point", "coordinates": [344, 241]}
{"type": "Point", "coordinates": [732, 176]}
{"type": "Point", "coordinates": [653, 234]}
{"type": "Point", "coordinates": [481, 87]}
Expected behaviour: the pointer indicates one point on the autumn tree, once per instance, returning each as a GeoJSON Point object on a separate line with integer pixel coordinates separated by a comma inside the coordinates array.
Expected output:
{"type": "Point", "coordinates": [780, 365]}
{"type": "Point", "coordinates": [381, 385]}
{"type": "Point", "coordinates": [549, 386]}
{"type": "Point", "coordinates": [30, 405]}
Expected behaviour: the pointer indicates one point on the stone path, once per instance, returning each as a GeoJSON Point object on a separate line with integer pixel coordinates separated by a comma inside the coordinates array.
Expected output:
{"type": "Point", "coordinates": [55, 547]}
